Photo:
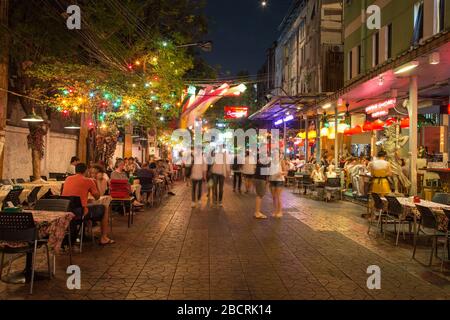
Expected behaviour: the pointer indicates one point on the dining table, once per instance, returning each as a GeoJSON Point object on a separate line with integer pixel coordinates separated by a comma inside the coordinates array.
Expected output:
{"type": "Point", "coordinates": [410, 210]}
{"type": "Point", "coordinates": [52, 226]}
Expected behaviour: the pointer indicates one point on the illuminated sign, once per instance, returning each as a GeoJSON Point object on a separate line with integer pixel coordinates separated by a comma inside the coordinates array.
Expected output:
{"type": "Point", "coordinates": [381, 109]}
{"type": "Point", "coordinates": [236, 112]}
{"type": "Point", "coordinates": [287, 119]}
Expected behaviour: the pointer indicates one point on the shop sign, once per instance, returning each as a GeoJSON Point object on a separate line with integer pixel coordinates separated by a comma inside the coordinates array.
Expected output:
{"type": "Point", "coordinates": [236, 112]}
{"type": "Point", "coordinates": [381, 109]}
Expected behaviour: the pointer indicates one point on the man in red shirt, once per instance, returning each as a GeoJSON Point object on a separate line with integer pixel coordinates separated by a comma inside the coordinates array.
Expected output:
{"type": "Point", "coordinates": [81, 186]}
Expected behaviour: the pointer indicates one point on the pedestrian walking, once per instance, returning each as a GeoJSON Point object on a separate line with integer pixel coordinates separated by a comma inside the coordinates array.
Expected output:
{"type": "Point", "coordinates": [237, 174]}
{"type": "Point", "coordinates": [248, 170]}
{"type": "Point", "coordinates": [260, 183]}
{"type": "Point", "coordinates": [198, 175]}
{"type": "Point", "coordinates": [220, 170]}
{"type": "Point", "coordinates": [277, 178]}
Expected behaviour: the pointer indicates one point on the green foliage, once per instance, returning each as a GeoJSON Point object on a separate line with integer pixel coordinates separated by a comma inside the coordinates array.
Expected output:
{"type": "Point", "coordinates": [115, 35]}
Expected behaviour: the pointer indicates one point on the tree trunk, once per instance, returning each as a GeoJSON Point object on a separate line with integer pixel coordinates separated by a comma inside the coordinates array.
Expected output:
{"type": "Point", "coordinates": [4, 76]}
{"type": "Point", "coordinates": [36, 161]}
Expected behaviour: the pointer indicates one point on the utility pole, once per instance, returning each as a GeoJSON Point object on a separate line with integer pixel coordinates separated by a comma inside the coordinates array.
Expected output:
{"type": "Point", "coordinates": [4, 76]}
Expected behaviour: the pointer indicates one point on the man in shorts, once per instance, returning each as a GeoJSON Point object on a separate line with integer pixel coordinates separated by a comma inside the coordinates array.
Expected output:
{"type": "Point", "coordinates": [260, 183]}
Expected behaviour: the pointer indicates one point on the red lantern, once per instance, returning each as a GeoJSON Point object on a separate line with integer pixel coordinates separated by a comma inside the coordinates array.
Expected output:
{"type": "Point", "coordinates": [348, 132]}
{"type": "Point", "coordinates": [391, 121]}
{"type": "Point", "coordinates": [404, 124]}
{"type": "Point", "coordinates": [367, 126]}
{"type": "Point", "coordinates": [357, 130]}
{"type": "Point", "coordinates": [378, 125]}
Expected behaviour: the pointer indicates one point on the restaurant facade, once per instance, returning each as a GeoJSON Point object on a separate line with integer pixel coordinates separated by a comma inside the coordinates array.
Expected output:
{"type": "Point", "coordinates": [394, 94]}
{"type": "Point", "coordinates": [397, 85]}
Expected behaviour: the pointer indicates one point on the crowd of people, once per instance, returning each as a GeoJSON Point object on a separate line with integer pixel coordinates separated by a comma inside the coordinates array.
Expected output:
{"type": "Point", "coordinates": [247, 172]}
{"type": "Point", "coordinates": [92, 184]}
{"type": "Point", "coordinates": [208, 171]}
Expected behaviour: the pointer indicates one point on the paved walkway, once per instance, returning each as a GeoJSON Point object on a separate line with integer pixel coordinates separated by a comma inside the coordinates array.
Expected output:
{"type": "Point", "coordinates": [317, 251]}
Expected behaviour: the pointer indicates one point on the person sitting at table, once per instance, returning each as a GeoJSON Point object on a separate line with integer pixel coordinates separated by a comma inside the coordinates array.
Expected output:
{"type": "Point", "coordinates": [120, 174]}
{"type": "Point", "coordinates": [80, 186]}
{"type": "Point", "coordinates": [71, 168]}
{"type": "Point", "coordinates": [331, 171]}
{"type": "Point", "coordinates": [380, 170]}
{"type": "Point", "coordinates": [358, 174]}
{"type": "Point", "coordinates": [317, 175]}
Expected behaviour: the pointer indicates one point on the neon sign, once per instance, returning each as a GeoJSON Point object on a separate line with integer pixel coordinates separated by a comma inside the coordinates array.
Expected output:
{"type": "Point", "coordinates": [381, 109]}
{"type": "Point", "coordinates": [236, 112]}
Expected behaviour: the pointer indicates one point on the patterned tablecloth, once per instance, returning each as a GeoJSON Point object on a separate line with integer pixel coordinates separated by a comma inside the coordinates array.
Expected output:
{"type": "Point", "coordinates": [23, 195]}
{"type": "Point", "coordinates": [50, 224]}
{"type": "Point", "coordinates": [54, 186]}
{"type": "Point", "coordinates": [409, 209]}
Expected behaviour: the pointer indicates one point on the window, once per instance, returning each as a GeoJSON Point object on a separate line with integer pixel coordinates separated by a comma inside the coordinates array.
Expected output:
{"type": "Point", "coordinates": [350, 65]}
{"type": "Point", "coordinates": [359, 59]}
{"type": "Point", "coordinates": [439, 16]}
{"type": "Point", "coordinates": [388, 41]}
{"type": "Point", "coordinates": [375, 49]}
{"type": "Point", "coordinates": [418, 22]}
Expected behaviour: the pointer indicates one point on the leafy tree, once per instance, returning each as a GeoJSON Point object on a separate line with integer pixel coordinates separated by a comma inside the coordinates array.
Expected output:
{"type": "Point", "coordinates": [124, 62]}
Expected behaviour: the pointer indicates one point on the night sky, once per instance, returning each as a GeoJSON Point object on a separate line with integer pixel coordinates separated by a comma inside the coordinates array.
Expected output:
{"type": "Point", "coordinates": [242, 31]}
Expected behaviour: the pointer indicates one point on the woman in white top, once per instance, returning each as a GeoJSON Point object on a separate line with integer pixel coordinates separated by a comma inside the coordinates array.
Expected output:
{"type": "Point", "coordinates": [198, 175]}
{"type": "Point", "coordinates": [278, 172]}
{"type": "Point", "coordinates": [317, 174]}
{"type": "Point", "coordinates": [248, 170]}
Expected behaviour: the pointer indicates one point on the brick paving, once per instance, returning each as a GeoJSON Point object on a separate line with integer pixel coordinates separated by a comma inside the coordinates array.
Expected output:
{"type": "Point", "coordinates": [317, 251]}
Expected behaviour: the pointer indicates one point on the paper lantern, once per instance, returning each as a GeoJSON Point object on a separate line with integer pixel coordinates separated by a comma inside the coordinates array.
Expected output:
{"type": "Point", "coordinates": [390, 122]}
{"type": "Point", "coordinates": [302, 135]}
{"type": "Point", "coordinates": [324, 132]}
{"type": "Point", "coordinates": [378, 125]}
{"type": "Point", "coordinates": [357, 130]}
{"type": "Point", "coordinates": [367, 126]}
{"type": "Point", "coordinates": [348, 132]}
{"type": "Point", "coordinates": [404, 124]}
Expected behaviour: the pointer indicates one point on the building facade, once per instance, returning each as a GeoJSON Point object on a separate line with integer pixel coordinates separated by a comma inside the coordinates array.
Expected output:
{"type": "Point", "coordinates": [309, 54]}
{"type": "Point", "coordinates": [404, 24]}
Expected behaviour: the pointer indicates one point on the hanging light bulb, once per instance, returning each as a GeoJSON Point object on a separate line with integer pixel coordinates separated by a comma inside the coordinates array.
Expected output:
{"type": "Point", "coordinates": [33, 117]}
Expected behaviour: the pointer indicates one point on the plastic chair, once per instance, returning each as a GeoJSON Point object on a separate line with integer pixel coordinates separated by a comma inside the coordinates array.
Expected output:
{"type": "Point", "coordinates": [442, 198]}
{"type": "Point", "coordinates": [395, 213]}
{"type": "Point", "coordinates": [33, 196]}
{"type": "Point", "coordinates": [120, 193]}
{"type": "Point", "coordinates": [429, 226]}
{"type": "Point", "coordinates": [333, 185]}
{"type": "Point", "coordinates": [446, 245]}
{"type": "Point", "coordinates": [6, 182]}
{"type": "Point", "coordinates": [380, 215]}
{"type": "Point", "coordinates": [54, 205]}
{"type": "Point", "coordinates": [12, 196]}
{"type": "Point", "coordinates": [20, 228]}
{"type": "Point", "coordinates": [147, 187]}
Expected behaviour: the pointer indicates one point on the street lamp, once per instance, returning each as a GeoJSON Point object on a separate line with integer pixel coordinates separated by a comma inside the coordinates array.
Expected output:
{"type": "Point", "coordinates": [204, 45]}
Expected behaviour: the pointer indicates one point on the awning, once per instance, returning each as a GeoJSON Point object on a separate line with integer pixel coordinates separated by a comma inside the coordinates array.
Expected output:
{"type": "Point", "coordinates": [280, 105]}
